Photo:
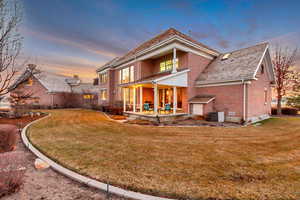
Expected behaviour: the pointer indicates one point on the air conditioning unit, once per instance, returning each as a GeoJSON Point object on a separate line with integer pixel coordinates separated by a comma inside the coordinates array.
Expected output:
{"type": "Point", "coordinates": [221, 117]}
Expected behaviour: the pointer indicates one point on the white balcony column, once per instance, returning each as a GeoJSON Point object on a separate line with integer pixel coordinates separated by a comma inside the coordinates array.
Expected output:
{"type": "Point", "coordinates": [163, 97]}
{"type": "Point", "coordinates": [124, 100]}
{"type": "Point", "coordinates": [141, 99]}
{"type": "Point", "coordinates": [155, 99]}
{"type": "Point", "coordinates": [169, 95]}
{"type": "Point", "coordinates": [174, 70]}
{"type": "Point", "coordinates": [134, 99]}
{"type": "Point", "coordinates": [174, 99]}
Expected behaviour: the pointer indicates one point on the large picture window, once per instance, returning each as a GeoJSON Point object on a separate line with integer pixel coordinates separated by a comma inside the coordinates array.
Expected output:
{"type": "Point", "coordinates": [128, 92]}
{"type": "Point", "coordinates": [126, 75]}
{"type": "Point", "coordinates": [103, 77]}
{"type": "Point", "coordinates": [167, 65]}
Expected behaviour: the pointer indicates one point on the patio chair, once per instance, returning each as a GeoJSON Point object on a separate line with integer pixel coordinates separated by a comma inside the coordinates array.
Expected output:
{"type": "Point", "coordinates": [167, 107]}
{"type": "Point", "coordinates": [146, 107]}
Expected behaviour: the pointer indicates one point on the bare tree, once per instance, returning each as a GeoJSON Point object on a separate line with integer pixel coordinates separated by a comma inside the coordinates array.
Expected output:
{"type": "Point", "coordinates": [287, 79]}
{"type": "Point", "coordinates": [10, 42]}
{"type": "Point", "coordinates": [22, 99]}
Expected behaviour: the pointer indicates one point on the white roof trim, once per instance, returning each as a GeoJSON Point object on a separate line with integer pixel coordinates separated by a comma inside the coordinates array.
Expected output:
{"type": "Point", "coordinates": [224, 83]}
{"type": "Point", "coordinates": [201, 102]}
{"type": "Point", "coordinates": [166, 41]}
{"type": "Point", "coordinates": [260, 61]}
{"type": "Point", "coordinates": [164, 49]}
{"type": "Point", "coordinates": [103, 71]}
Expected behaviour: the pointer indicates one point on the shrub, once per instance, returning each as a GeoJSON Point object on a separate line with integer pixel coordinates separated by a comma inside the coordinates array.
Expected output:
{"type": "Point", "coordinates": [294, 101]}
{"type": "Point", "coordinates": [285, 111]}
{"type": "Point", "coordinates": [12, 170]}
{"type": "Point", "coordinates": [8, 137]}
{"type": "Point", "coordinates": [274, 111]}
{"type": "Point", "coordinates": [116, 110]}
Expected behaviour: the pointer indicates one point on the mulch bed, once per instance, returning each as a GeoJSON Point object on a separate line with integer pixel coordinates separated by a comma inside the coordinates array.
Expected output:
{"type": "Point", "coordinates": [118, 117]}
{"type": "Point", "coordinates": [187, 122]}
{"type": "Point", "coordinates": [20, 122]}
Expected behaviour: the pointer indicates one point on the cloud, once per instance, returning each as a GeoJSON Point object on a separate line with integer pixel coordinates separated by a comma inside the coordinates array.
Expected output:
{"type": "Point", "coordinates": [224, 43]}
{"type": "Point", "coordinates": [81, 44]}
{"type": "Point", "coordinates": [209, 31]}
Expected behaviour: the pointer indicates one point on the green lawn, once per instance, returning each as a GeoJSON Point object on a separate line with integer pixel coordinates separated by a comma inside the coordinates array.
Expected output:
{"type": "Point", "coordinates": [205, 162]}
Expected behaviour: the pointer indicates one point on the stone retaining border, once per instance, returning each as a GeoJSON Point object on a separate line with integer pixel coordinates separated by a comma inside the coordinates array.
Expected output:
{"type": "Point", "coordinates": [80, 178]}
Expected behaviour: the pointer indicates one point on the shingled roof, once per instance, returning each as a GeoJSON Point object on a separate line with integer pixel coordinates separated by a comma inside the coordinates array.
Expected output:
{"type": "Point", "coordinates": [108, 64]}
{"type": "Point", "coordinates": [160, 37]}
{"type": "Point", "coordinates": [240, 65]}
{"type": "Point", "coordinates": [55, 82]}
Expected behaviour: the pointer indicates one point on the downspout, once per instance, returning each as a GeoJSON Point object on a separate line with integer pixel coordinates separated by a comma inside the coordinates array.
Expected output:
{"type": "Point", "coordinates": [52, 95]}
{"type": "Point", "coordinates": [244, 101]}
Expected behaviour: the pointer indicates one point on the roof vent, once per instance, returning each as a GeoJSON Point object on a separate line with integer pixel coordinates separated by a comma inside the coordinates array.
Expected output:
{"type": "Point", "coordinates": [226, 56]}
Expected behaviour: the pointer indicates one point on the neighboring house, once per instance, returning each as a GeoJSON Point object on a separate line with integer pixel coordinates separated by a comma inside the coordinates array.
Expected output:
{"type": "Point", "coordinates": [50, 90]}
{"type": "Point", "coordinates": [173, 74]}
{"type": "Point", "coordinates": [5, 104]}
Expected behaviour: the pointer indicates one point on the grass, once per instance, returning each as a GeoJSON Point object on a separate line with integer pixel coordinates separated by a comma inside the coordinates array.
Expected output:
{"type": "Point", "coordinates": [260, 162]}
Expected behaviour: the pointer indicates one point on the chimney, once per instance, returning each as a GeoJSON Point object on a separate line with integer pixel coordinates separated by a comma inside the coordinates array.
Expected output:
{"type": "Point", "coordinates": [75, 76]}
{"type": "Point", "coordinates": [96, 81]}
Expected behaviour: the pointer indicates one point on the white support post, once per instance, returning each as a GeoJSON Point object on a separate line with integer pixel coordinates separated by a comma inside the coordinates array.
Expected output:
{"type": "Point", "coordinates": [134, 99]}
{"type": "Point", "coordinates": [174, 99]}
{"type": "Point", "coordinates": [141, 99]}
{"type": "Point", "coordinates": [124, 100]}
{"type": "Point", "coordinates": [169, 96]}
{"type": "Point", "coordinates": [163, 97]}
{"type": "Point", "coordinates": [155, 99]}
{"type": "Point", "coordinates": [174, 70]}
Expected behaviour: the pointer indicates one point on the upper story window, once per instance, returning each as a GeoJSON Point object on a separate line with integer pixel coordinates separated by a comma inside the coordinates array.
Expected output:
{"type": "Point", "coordinates": [29, 82]}
{"type": "Point", "coordinates": [262, 69]}
{"type": "Point", "coordinates": [167, 65]}
{"type": "Point", "coordinates": [126, 75]}
{"type": "Point", "coordinates": [103, 77]}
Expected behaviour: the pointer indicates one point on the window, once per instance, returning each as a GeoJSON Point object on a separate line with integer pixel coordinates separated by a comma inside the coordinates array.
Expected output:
{"type": "Point", "coordinates": [126, 75]}
{"type": "Point", "coordinates": [103, 78]}
{"type": "Point", "coordinates": [266, 96]}
{"type": "Point", "coordinates": [131, 74]}
{"type": "Point", "coordinates": [29, 82]}
{"type": "Point", "coordinates": [128, 92]}
{"type": "Point", "coordinates": [103, 94]}
{"type": "Point", "coordinates": [167, 65]}
{"type": "Point", "coordinates": [88, 96]}
{"type": "Point", "coordinates": [262, 69]}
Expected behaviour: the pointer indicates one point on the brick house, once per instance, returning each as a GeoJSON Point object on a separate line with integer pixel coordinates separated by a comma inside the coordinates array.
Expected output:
{"type": "Point", "coordinates": [49, 90]}
{"type": "Point", "coordinates": [173, 74]}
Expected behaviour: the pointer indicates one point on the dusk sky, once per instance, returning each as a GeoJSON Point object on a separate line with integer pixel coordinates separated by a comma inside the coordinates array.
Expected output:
{"type": "Point", "coordinates": [77, 36]}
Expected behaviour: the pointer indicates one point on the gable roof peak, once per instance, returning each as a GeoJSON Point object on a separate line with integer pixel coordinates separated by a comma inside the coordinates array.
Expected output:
{"type": "Point", "coordinates": [157, 39]}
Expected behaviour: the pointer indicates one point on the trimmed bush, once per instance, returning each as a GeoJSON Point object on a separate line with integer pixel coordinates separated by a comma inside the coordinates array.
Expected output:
{"type": "Point", "coordinates": [8, 137]}
{"type": "Point", "coordinates": [12, 170]}
{"type": "Point", "coordinates": [286, 111]}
